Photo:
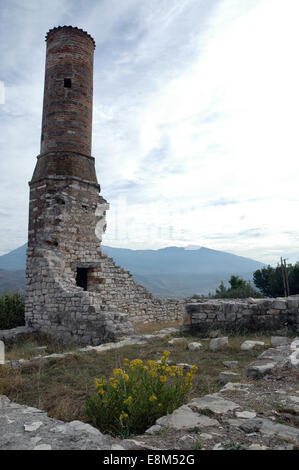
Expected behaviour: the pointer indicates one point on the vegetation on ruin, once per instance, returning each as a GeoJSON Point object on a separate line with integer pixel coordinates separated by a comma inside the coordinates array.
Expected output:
{"type": "Point", "coordinates": [137, 395]}
{"type": "Point", "coordinates": [61, 386]}
{"type": "Point", "coordinates": [12, 310]}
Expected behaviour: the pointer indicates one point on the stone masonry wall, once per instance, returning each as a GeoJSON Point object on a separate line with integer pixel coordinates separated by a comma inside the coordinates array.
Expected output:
{"type": "Point", "coordinates": [250, 314]}
{"type": "Point", "coordinates": [120, 291]}
{"type": "Point", "coordinates": [73, 291]}
{"type": "Point", "coordinates": [67, 219]}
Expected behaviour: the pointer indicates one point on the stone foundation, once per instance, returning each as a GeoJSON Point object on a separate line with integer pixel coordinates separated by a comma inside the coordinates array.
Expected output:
{"type": "Point", "coordinates": [250, 314]}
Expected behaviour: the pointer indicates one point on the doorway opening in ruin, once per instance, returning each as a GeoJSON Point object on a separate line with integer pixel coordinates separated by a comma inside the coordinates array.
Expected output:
{"type": "Point", "coordinates": [81, 278]}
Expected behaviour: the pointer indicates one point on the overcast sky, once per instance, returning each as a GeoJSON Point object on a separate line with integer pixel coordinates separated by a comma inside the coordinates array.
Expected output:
{"type": "Point", "coordinates": [195, 126]}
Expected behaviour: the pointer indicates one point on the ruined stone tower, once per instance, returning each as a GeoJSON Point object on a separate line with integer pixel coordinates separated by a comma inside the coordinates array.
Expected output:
{"type": "Point", "coordinates": [73, 291]}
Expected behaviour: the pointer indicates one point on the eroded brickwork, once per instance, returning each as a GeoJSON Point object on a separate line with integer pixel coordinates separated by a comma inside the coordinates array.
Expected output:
{"type": "Point", "coordinates": [74, 292]}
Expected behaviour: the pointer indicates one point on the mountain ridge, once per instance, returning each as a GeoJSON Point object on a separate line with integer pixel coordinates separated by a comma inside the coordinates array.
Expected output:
{"type": "Point", "coordinates": [166, 272]}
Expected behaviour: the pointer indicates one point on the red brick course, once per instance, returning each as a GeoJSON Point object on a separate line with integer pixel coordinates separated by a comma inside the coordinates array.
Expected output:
{"type": "Point", "coordinates": [67, 111]}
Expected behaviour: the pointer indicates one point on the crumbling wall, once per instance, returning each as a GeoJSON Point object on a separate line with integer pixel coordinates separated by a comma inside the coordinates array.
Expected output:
{"type": "Point", "coordinates": [249, 314]}
{"type": "Point", "coordinates": [67, 218]}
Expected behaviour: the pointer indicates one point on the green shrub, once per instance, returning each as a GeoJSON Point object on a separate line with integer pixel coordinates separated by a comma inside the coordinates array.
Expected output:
{"type": "Point", "coordinates": [270, 280]}
{"type": "Point", "coordinates": [131, 401]}
{"type": "Point", "coordinates": [12, 310]}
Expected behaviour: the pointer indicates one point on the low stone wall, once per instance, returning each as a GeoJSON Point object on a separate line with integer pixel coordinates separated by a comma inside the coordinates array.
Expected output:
{"type": "Point", "coordinates": [250, 314]}
{"type": "Point", "coordinates": [15, 333]}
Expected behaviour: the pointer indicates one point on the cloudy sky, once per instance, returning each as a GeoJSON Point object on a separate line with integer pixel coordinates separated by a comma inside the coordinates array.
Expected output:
{"type": "Point", "coordinates": [195, 126]}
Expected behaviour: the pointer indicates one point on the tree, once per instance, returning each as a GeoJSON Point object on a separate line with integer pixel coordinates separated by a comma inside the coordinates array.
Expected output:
{"type": "Point", "coordinates": [239, 289]}
{"type": "Point", "coordinates": [12, 310]}
{"type": "Point", "coordinates": [270, 281]}
{"type": "Point", "coordinates": [237, 283]}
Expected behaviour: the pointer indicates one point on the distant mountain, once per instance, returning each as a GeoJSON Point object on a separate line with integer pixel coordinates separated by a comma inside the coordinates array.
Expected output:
{"type": "Point", "coordinates": [12, 280]}
{"type": "Point", "coordinates": [15, 259]}
{"type": "Point", "coordinates": [177, 260]}
{"type": "Point", "coordinates": [167, 272]}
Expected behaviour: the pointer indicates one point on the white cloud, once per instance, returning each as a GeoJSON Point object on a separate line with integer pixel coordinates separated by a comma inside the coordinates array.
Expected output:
{"type": "Point", "coordinates": [195, 107]}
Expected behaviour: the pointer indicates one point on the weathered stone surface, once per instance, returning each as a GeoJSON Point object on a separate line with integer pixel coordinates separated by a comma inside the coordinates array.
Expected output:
{"type": "Point", "coordinates": [188, 439]}
{"type": "Point", "coordinates": [184, 417]}
{"type": "Point", "coordinates": [15, 333]}
{"type": "Point", "coordinates": [259, 368]}
{"type": "Point", "coordinates": [273, 354]}
{"type": "Point", "coordinates": [252, 314]}
{"type": "Point", "coordinates": [284, 432]}
{"type": "Point", "coordinates": [33, 426]}
{"type": "Point", "coordinates": [228, 376]}
{"type": "Point", "coordinates": [136, 444]}
{"type": "Point", "coordinates": [177, 341]}
{"type": "Point", "coordinates": [279, 340]}
{"type": "Point", "coordinates": [205, 436]}
{"type": "Point", "coordinates": [218, 343]}
{"type": "Point", "coordinates": [294, 356]}
{"type": "Point", "coordinates": [247, 345]}
{"type": "Point", "coordinates": [235, 387]}
{"type": "Point", "coordinates": [24, 431]}
{"type": "Point", "coordinates": [257, 446]}
{"type": "Point", "coordinates": [214, 403]}
{"type": "Point", "coordinates": [194, 346]}
{"type": "Point", "coordinates": [245, 414]}
{"type": "Point", "coordinates": [294, 399]}
{"type": "Point", "coordinates": [153, 429]}
{"type": "Point", "coordinates": [43, 447]}
{"type": "Point", "coordinates": [230, 364]}
{"type": "Point", "coordinates": [246, 425]}
{"type": "Point", "coordinates": [117, 447]}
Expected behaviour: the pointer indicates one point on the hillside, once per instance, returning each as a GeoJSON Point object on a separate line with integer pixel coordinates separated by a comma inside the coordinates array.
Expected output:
{"type": "Point", "coordinates": [167, 272]}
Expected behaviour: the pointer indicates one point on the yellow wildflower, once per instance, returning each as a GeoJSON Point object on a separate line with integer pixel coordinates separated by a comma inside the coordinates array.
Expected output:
{"type": "Point", "coordinates": [153, 398]}
{"type": "Point", "coordinates": [136, 362]}
{"type": "Point", "coordinates": [151, 363]}
{"type": "Point", "coordinates": [163, 378]}
{"type": "Point", "coordinates": [128, 400]}
{"type": "Point", "coordinates": [118, 372]}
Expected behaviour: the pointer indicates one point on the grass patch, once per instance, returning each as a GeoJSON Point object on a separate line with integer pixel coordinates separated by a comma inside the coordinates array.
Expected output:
{"type": "Point", "coordinates": [29, 346]}
{"type": "Point", "coordinates": [61, 386]}
{"type": "Point", "coordinates": [151, 327]}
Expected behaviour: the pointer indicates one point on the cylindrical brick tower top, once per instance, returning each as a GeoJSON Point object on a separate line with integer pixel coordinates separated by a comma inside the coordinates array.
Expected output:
{"type": "Point", "coordinates": [67, 108]}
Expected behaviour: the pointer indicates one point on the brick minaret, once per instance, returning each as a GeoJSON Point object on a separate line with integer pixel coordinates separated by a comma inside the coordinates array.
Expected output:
{"type": "Point", "coordinates": [66, 212]}
{"type": "Point", "coordinates": [73, 291]}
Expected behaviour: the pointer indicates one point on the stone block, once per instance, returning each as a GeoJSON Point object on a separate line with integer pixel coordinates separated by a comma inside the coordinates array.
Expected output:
{"type": "Point", "coordinates": [279, 341]}
{"type": "Point", "coordinates": [218, 343]}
